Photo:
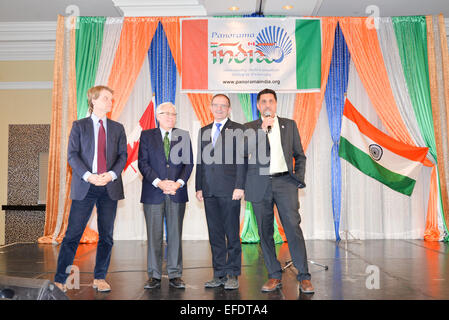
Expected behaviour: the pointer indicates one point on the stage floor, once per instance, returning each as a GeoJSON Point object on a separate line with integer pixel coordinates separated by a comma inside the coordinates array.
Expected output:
{"type": "Point", "coordinates": [405, 269]}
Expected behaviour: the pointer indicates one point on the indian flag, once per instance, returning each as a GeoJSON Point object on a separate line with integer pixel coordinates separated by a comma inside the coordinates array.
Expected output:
{"type": "Point", "coordinates": [247, 55]}
{"type": "Point", "coordinates": [391, 162]}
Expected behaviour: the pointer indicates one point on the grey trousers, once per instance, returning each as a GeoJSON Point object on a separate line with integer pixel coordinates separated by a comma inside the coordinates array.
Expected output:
{"type": "Point", "coordinates": [154, 216]}
{"type": "Point", "coordinates": [283, 192]}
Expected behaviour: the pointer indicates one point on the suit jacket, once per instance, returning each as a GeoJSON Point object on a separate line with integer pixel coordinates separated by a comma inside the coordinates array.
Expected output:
{"type": "Point", "coordinates": [81, 152]}
{"type": "Point", "coordinates": [257, 178]}
{"type": "Point", "coordinates": [228, 172]}
{"type": "Point", "coordinates": [153, 164]}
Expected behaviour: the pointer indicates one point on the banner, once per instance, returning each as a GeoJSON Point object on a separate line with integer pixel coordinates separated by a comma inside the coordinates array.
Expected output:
{"type": "Point", "coordinates": [248, 55]}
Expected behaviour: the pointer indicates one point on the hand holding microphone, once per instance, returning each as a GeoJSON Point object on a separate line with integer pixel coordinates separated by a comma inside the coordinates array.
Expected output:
{"type": "Point", "coordinates": [268, 121]}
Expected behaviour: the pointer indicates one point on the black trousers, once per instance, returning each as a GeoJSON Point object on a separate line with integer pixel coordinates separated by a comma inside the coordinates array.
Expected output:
{"type": "Point", "coordinates": [223, 222]}
{"type": "Point", "coordinates": [283, 192]}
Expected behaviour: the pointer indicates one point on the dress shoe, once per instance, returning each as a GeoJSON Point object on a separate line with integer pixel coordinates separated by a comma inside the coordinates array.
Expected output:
{"type": "Point", "coordinates": [152, 283]}
{"type": "Point", "coordinates": [271, 285]}
{"type": "Point", "coordinates": [306, 286]}
{"type": "Point", "coordinates": [215, 282]}
{"type": "Point", "coordinates": [61, 286]}
{"type": "Point", "coordinates": [101, 285]}
{"type": "Point", "coordinates": [232, 283]}
{"type": "Point", "coordinates": [177, 283]}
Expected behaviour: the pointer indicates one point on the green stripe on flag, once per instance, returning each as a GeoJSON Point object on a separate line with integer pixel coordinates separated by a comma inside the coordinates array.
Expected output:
{"type": "Point", "coordinates": [368, 166]}
{"type": "Point", "coordinates": [308, 53]}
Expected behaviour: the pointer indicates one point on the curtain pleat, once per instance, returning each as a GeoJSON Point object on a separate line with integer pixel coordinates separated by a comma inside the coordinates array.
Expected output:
{"type": "Point", "coordinates": [393, 64]}
{"type": "Point", "coordinates": [439, 108]}
{"type": "Point", "coordinates": [200, 103]}
{"type": "Point", "coordinates": [89, 39]}
{"type": "Point", "coordinates": [135, 40]}
{"type": "Point", "coordinates": [111, 39]}
{"type": "Point", "coordinates": [172, 31]}
{"type": "Point", "coordinates": [54, 153]}
{"type": "Point", "coordinates": [365, 52]}
{"type": "Point", "coordinates": [411, 37]}
{"type": "Point", "coordinates": [162, 67]}
{"type": "Point", "coordinates": [337, 84]}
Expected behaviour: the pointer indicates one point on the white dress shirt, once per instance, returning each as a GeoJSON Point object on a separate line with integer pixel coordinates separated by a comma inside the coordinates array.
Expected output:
{"type": "Point", "coordinates": [277, 159]}
{"type": "Point", "coordinates": [97, 125]}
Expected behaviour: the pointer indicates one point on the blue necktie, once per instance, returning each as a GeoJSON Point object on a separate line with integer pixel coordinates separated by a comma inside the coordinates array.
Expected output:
{"type": "Point", "coordinates": [217, 134]}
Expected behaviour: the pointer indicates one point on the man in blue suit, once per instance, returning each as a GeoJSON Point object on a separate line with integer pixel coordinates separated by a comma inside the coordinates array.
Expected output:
{"type": "Point", "coordinates": [97, 154]}
{"type": "Point", "coordinates": [165, 162]}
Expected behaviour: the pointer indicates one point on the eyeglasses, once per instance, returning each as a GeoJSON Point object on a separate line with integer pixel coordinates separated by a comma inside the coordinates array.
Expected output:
{"type": "Point", "coordinates": [216, 105]}
{"type": "Point", "coordinates": [168, 114]}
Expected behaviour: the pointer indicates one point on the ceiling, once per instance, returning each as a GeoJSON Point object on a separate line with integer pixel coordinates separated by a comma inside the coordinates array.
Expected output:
{"type": "Point", "coordinates": [47, 10]}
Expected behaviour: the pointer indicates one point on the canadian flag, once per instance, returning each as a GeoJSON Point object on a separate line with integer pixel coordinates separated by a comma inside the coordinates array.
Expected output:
{"type": "Point", "coordinates": [146, 122]}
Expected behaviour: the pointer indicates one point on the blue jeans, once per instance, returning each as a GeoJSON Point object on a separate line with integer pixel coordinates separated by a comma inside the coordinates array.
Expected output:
{"type": "Point", "coordinates": [80, 213]}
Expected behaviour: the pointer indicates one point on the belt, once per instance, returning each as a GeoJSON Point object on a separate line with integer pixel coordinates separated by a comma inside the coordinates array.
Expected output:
{"type": "Point", "coordinates": [279, 174]}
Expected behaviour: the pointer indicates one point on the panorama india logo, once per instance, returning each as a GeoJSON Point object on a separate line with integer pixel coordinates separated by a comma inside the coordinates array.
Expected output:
{"type": "Point", "coordinates": [272, 44]}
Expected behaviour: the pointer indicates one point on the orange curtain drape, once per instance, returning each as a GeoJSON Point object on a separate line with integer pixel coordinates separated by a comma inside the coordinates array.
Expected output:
{"type": "Point", "coordinates": [308, 105]}
{"type": "Point", "coordinates": [200, 103]}
{"type": "Point", "coordinates": [54, 153]}
{"type": "Point", "coordinates": [54, 171]}
{"type": "Point", "coordinates": [438, 60]}
{"type": "Point", "coordinates": [172, 30]}
{"type": "Point", "coordinates": [366, 53]}
{"type": "Point", "coordinates": [135, 41]}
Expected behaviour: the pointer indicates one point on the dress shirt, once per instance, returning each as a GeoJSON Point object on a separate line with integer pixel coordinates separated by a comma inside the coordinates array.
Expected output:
{"type": "Point", "coordinates": [96, 122]}
{"type": "Point", "coordinates": [277, 159]}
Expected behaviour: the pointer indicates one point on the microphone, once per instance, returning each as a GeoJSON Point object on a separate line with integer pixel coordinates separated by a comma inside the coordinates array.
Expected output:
{"type": "Point", "coordinates": [267, 114]}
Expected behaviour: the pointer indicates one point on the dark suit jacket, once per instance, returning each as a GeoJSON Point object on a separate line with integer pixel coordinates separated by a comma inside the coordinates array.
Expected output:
{"type": "Point", "coordinates": [152, 164]}
{"type": "Point", "coordinates": [256, 183]}
{"type": "Point", "coordinates": [227, 173]}
{"type": "Point", "coordinates": [81, 151]}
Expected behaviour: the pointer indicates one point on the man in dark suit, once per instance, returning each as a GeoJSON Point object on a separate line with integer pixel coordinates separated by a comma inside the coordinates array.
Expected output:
{"type": "Point", "coordinates": [273, 143]}
{"type": "Point", "coordinates": [97, 154]}
{"type": "Point", "coordinates": [165, 162]}
{"type": "Point", "coordinates": [220, 179]}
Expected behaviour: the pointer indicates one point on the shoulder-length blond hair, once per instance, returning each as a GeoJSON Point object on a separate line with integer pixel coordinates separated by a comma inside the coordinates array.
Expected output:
{"type": "Point", "coordinates": [93, 94]}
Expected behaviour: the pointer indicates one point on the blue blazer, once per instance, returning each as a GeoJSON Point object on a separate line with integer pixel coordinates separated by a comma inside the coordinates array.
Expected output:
{"type": "Point", "coordinates": [152, 164]}
{"type": "Point", "coordinates": [81, 152]}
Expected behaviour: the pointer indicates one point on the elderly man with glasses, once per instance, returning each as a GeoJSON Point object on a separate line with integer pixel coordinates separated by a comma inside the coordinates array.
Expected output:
{"type": "Point", "coordinates": [166, 162]}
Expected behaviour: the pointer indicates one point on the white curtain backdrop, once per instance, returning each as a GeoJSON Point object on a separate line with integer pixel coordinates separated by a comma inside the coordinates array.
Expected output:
{"type": "Point", "coordinates": [371, 210]}
{"type": "Point", "coordinates": [111, 39]}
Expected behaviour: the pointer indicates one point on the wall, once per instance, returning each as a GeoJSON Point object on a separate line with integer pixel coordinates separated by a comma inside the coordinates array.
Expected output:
{"type": "Point", "coordinates": [24, 106]}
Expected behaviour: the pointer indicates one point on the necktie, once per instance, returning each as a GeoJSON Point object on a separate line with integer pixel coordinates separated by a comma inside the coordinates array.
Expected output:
{"type": "Point", "coordinates": [101, 149]}
{"type": "Point", "coordinates": [166, 145]}
{"type": "Point", "coordinates": [217, 134]}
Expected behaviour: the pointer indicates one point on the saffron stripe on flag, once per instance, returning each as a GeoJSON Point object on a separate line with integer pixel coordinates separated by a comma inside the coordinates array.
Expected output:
{"type": "Point", "coordinates": [390, 160]}
{"type": "Point", "coordinates": [368, 166]}
{"type": "Point", "coordinates": [410, 152]}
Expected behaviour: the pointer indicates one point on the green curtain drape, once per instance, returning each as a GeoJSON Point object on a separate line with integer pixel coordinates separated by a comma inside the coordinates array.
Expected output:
{"type": "Point", "coordinates": [250, 231]}
{"type": "Point", "coordinates": [411, 36]}
{"type": "Point", "coordinates": [89, 40]}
